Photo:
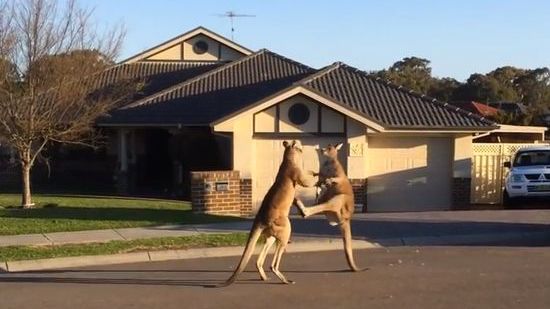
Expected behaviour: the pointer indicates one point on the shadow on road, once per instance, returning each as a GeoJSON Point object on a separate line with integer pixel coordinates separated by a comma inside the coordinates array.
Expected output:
{"type": "Point", "coordinates": [57, 277]}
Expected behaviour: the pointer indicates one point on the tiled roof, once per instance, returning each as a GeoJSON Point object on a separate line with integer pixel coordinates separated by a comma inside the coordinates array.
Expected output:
{"type": "Point", "coordinates": [212, 95]}
{"type": "Point", "coordinates": [204, 98]}
{"type": "Point", "coordinates": [476, 107]}
{"type": "Point", "coordinates": [390, 105]}
{"type": "Point", "coordinates": [156, 75]}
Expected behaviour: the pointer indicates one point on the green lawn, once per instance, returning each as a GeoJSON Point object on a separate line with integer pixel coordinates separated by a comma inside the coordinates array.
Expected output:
{"type": "Point", "coordinates": [59, 213]}
{"type": "Point", "coordinates": [18, 253]}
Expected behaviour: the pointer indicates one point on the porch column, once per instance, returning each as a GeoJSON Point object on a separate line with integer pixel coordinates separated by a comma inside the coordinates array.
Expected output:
{"type": "Point", "coordinates": [122, 173]}
{"type": "Point", "coordinates": [123, 150]}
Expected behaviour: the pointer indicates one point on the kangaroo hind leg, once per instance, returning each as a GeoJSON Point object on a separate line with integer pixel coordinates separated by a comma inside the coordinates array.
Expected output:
{"type": "Point", "coordinates": [263, 254]}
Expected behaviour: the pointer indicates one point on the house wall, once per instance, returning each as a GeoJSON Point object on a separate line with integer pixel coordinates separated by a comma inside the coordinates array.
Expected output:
{"type": "Point", "coordinates": [184, 51]}
{"type": "Point", "coordinates": [462, 171]}
{"type": "Point", "coordinates": [409, 172]}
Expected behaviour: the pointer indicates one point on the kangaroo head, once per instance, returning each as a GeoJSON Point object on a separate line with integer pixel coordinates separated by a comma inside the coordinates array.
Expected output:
{"type": "Point", "coordinates": [331, 151]}
{"type": "Point", "coordinates": [293, 151]}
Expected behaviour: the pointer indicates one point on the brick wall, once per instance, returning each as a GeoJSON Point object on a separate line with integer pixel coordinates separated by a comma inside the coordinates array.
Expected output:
{"type": "Point", "coordinates": [246, 197]}
{"type": "Point", "coordinates": [461, 193]}
{"type": "Point", "coordinates": [216, 192]}
{"type": "Point", "coordinates": [360, 192]}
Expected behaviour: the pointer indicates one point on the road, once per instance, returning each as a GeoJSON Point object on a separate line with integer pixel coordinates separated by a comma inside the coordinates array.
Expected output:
{"type": "Point", "coordinates": [399, 277]}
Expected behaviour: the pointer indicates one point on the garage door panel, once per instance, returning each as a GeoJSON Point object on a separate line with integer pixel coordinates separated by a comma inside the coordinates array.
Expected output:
{"type": "Point", "coordinates": [409, 174]}
{"type": "Point", "coordinates": [269, 154]}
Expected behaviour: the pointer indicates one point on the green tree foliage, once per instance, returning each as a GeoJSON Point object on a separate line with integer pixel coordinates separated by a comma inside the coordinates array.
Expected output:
{"type": "Point", "coordinates": [505, 84]}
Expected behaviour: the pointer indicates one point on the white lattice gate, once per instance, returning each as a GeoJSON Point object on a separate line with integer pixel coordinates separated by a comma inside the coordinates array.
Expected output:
{"type": "Point", "coordinates": [488, 172]}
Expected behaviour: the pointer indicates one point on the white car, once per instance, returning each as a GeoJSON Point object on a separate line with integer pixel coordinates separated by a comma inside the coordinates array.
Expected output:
{"type": "Point", "coordinates": [529, 174]}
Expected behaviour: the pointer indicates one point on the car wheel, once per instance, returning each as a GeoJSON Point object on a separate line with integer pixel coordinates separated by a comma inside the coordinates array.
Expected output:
{"type": "Point", "coordinates": [507, 201]}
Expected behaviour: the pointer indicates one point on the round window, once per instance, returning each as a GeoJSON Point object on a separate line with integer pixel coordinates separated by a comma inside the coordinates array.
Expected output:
{"type": "Point", "coordinates": [200, 47]}
{"type": "Point", "coordinates": [298, 113]}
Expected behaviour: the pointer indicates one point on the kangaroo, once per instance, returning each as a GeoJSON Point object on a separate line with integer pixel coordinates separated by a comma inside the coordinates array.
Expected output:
{"type": "Point", "coordinates": [336, 199]}
{"type": "Point", "coordinates": [272, 218]}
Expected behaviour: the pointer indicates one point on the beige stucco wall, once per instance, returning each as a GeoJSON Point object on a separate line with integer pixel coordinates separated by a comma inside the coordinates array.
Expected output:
{"type": "Point", "coordinates": [244, 159]}
{"type": "Point", "coordinates": [356, 150]}
{"type": "Point", "coordinates": [172, 53]}
{"type": "Point", "coordinates": [228, 54]}
{"type": "Point", "coordinates": [264, 121]}
{"type": "Point", "coordinates": [462, 157]}
{"type": "Point", "coordinates": [210, 55]}
{"type": "Point", "coordinates": [331, 121]}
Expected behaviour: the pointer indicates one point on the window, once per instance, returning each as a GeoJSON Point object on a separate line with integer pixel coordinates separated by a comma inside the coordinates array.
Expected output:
{"type": "Point", "coordinates": [298, 114]}
{"type": "Point", "coordinates": [200, 47]}
{"type": "Point", "coordinates": [527, 158]}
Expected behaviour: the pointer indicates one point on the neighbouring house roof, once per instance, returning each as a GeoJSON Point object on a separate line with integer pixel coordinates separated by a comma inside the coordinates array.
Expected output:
{"type": "Point", "coordinates": [477, 107]}
{"type": "Point", "coordinates": [214, 94]}
{"type": "Point", "coordinates": [390, 105]}
{"type": "Point", "coordinates": [185, 36]}
{"type": "Point", "coordinates": [509, 107]}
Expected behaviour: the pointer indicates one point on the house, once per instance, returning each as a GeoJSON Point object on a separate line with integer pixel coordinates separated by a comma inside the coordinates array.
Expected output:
{"type": "Point", "coordinates": [477, 108]}
{"type": "Point", "coordinates": [504, 133]}
{"type": "Point", "coordinates": [216, 107]}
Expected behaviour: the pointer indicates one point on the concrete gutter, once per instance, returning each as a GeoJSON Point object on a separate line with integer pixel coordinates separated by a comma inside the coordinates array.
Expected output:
{"type": "Point", "coordinates": [322, 244]}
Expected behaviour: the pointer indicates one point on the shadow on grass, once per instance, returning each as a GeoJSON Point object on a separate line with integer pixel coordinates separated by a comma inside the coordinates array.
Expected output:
{"type": "Point", "coordinates": [156, 216]}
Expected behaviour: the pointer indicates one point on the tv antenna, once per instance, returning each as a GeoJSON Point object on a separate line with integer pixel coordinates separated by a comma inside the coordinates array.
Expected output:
{"type": "Point", "coordinates": [232, 15]}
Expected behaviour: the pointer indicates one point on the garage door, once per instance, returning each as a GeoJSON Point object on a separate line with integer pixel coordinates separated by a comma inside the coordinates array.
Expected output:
{"type": "Point", "coordinates": [409, 174]}
{"type": "Point", "coordinates": [269, 154]}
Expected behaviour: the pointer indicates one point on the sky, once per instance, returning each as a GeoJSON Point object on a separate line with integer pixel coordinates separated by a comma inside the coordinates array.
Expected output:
{"type": "Point", "coordinates": [458, 37]}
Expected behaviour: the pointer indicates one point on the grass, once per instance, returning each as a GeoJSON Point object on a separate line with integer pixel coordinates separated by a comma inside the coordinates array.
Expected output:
{"type": "Point", "coordinates": [18, 253]}
{"type": "Point", "coordinates": [62, 213]}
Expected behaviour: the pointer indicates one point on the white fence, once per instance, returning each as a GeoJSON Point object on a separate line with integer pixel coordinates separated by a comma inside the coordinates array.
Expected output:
{"type": "Point", "coordinates": [488, 172]}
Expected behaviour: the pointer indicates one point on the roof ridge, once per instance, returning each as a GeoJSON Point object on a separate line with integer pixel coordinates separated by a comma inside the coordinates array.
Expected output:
{"type": "Point", "coordinates": [198, 77]}
{"type": "Point", "coordinates": [422, 96]}
{"type": "Point", "coordinates": [304, 66]}
{"type": "Point", "coordinates": [322, 71]}
{"type": "Point", "coordinates": [173, 62]}
{"type": "Point", "coordinates": [212, 72]}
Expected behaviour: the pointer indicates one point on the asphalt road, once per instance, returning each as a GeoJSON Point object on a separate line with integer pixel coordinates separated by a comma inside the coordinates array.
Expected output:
{"type": "Point", "coordinates": [401, 277]}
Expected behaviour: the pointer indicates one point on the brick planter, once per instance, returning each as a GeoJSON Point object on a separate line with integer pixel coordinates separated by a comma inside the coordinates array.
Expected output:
{"type": "Point", "coordinates": [461, 193]}
{"type": "Point", "coordinates": [219, 193]}
{"type": "Point", "coordinates": [360, 192]}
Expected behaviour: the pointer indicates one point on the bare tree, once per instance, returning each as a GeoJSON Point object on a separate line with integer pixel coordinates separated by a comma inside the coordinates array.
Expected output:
{"type": "Point", "coordinates": [51, 57]}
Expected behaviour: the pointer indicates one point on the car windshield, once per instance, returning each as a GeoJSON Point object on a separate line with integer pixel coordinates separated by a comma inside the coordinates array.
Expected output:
{"type": "Point", "coordinates": [532, 157]}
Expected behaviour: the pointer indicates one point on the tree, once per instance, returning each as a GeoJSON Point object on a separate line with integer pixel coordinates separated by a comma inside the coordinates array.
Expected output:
{"type": "Point", "coordinates": [411, 72]}
{"type": "Point", "coordinates": [51, 56]}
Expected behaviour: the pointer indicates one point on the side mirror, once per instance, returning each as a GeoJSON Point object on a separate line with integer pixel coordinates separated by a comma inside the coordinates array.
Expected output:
{"type": "Point", "coordinates": [507, 164]}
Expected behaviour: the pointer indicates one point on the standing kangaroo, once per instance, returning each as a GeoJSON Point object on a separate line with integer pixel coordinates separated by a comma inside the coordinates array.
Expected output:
{"type": "Point", "coordinates": [336, 200]}
{"type": "Point", "coordinates": [272, 218]}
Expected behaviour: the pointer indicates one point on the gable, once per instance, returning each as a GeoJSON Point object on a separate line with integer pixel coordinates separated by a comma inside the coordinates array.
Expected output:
{"type": "Point", "coordinates": [199, 44]}
{"type": "Point", "coordinates": [330, 111]}
{"type": "Point", "coordinates": [299, 114]}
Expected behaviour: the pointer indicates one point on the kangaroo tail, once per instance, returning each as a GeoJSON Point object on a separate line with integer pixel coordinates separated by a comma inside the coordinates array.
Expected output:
{"type": "Point", "coordinates": [255, 234]}
{"type": "Point", "coordinates": [346, 235]}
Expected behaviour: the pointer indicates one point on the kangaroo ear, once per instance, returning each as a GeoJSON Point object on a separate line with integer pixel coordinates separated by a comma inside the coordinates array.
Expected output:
{"type": "Point", "coordinates": [285, 143]}
{"type": "Point", "coordinates": [293, 143]}
{"type": "Point", "coordinates": [339, 146]}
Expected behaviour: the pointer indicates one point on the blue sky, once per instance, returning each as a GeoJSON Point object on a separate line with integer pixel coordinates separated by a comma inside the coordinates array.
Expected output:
{"type": "Point", "coordinates": [459, 37]}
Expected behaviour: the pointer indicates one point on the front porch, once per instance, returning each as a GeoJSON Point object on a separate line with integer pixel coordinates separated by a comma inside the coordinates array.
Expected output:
{"type": "Point", "coordinates": [157, 161]}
